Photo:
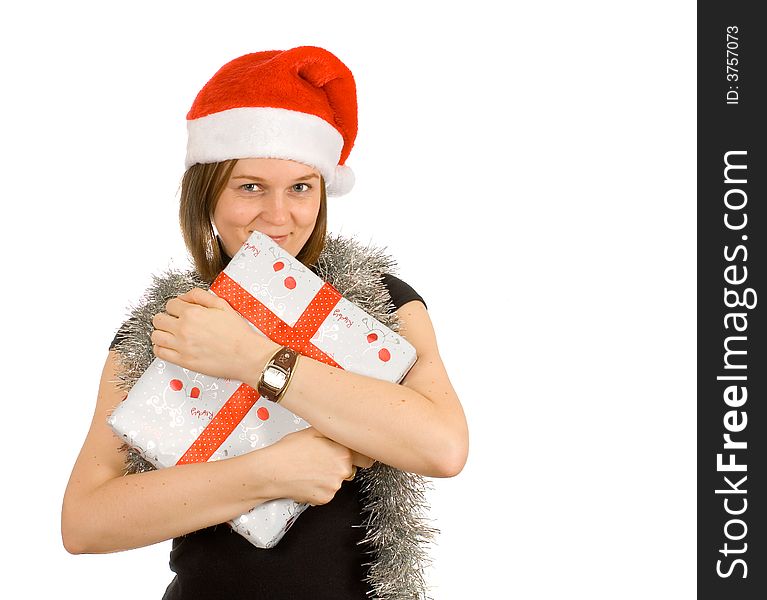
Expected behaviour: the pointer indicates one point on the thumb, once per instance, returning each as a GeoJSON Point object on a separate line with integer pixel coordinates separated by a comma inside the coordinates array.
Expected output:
{"type": "Point", "coordinates": [361, 460]}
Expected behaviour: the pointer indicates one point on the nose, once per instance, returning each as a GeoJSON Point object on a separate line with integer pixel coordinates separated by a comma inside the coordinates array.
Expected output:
{"type": "Point", "coordinates": [275, 208]}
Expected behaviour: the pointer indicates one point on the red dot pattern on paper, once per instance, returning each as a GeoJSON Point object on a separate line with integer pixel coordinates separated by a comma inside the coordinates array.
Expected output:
{"type": "Point", "coordinates": [262, 413]}
{"type": "Point", "coordinates": [372, 337]}
{"type": "Point", "coordinates": [176, 385]}
{"type": "Point", "coordinates": [195, 393]}
{"type": "Point", "coordinates": [384, 354]}
{"type": "Point", "coordinates": [278, 266]}
{"type": "Point", "coordinates": [290, 283]}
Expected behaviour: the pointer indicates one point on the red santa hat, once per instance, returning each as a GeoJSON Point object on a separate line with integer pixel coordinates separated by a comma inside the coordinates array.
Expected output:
{"type": "Point", "coordinates": [298, 104]}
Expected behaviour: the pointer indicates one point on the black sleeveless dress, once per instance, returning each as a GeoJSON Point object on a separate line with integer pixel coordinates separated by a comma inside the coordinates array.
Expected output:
{"type": "Point", "coordinates": [318, 558]}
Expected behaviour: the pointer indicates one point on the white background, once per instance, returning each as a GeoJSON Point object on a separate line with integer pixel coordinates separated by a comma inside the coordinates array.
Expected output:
{"type": "Point", "coordinates": [532, 170]}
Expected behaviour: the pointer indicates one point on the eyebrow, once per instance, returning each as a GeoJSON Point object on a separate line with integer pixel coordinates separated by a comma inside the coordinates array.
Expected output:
{"type": "Point", "coordinates": [254, 178]}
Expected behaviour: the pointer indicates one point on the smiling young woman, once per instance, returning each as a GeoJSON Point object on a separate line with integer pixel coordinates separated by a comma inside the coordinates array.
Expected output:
{"type": "Point", "coordinates": [269, 135]}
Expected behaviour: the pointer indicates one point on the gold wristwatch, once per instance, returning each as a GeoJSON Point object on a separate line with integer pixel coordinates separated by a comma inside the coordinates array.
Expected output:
{"type": "Point", "coordinates": [277, 374]}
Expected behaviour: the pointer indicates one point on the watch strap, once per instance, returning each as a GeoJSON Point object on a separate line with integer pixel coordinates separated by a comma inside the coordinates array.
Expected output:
{"type": "Point", "coordinates": [285, 359]}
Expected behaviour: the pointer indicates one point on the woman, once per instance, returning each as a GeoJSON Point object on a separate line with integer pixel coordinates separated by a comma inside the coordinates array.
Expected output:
{"type": "Point", "coordinates": [269, 135]}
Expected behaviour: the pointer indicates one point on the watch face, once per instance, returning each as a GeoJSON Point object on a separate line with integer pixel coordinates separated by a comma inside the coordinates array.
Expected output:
{"type": "Point", "coordinates": [274, 377]}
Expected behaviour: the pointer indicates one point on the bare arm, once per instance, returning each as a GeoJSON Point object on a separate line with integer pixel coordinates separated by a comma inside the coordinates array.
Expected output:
{"type": "Point", "coordinates": [104, 511]}
{"type": "Point", "coordinates": [418, 426]}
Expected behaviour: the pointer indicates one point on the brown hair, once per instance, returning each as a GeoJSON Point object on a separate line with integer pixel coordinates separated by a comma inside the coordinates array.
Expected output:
{"type": "Point", "coordinates": [200, 189]}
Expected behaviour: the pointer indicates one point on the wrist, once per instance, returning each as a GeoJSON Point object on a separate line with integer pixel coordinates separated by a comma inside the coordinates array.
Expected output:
{"type": "Point", "coordinates": [259, 352]}
{"type": "Point", "coordinates": [262, 475]}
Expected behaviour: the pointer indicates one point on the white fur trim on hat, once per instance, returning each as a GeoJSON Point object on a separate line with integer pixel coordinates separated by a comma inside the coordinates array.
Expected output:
{"type": "Point", "coordinates": [266, 132]}
{"type": "Point", "coordinates": [342, 183]}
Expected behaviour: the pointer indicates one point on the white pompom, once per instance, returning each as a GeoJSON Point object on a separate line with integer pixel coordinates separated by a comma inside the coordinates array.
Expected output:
{"type": "Point", "coordinates": [343, 181]}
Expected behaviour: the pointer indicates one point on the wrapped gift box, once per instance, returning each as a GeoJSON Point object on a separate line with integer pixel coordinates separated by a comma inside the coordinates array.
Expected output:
{"type": "Point", "coordinates": [176, 416]}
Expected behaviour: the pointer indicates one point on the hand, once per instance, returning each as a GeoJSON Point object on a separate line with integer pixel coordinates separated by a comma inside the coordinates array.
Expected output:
{"type": "Point", "coordinates": [308, 467]}
{"type": "Point", "coordinates": [202, 332]}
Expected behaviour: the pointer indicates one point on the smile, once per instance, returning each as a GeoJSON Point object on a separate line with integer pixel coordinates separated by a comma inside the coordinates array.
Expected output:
{"type": "Point", "coordinates": [275, 238]}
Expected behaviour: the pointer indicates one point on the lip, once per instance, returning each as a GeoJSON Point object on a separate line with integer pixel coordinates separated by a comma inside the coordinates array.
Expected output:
{"type": "Point", "coordinates": [276, 238]}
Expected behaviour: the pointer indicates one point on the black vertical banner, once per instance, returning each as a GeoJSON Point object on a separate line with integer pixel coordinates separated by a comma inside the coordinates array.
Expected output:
{"type": "Point", "coordinates": [732, 298]}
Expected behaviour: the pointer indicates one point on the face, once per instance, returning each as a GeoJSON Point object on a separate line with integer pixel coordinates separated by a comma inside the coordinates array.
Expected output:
{"type": "Point", "coordinates": [280, 198]}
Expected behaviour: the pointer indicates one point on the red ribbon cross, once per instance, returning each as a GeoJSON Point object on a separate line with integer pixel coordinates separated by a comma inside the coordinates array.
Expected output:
{"type": "Point", "coordinates": [298, 337]}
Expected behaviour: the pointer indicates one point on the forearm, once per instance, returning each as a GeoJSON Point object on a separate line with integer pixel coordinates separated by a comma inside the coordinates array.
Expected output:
{"type": "Point", "coordinates": [418, 426]}
{"type": "Point", "coordinates": [383, 420]}
{"type": "Point", "coordinates": [145, 508]}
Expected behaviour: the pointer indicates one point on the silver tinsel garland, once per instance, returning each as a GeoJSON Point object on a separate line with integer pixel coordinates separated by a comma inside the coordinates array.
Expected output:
{"type": "Point", "coordinates": [394, 501]}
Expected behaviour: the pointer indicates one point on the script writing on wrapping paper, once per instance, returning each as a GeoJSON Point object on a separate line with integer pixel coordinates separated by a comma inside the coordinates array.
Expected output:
{"type": "Point", "coordinates": [341, 317]}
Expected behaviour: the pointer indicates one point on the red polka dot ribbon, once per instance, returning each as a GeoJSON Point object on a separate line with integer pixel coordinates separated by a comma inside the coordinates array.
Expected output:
{"type": "Point", "coordinates": [221, 426]}
{"type": "Point", "coordinates": [298, 337]}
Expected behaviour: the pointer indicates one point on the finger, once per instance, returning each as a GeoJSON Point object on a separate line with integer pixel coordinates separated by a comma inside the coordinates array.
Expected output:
{"type": "Point", "coordinates": [176, 307]}
{"type": "Point", "coordinates": [163, 339]}
{"type": "Point", "coordinates": [203, 298]}
{"type": "Point", "coordinates": [166, 354]}
{"type": "Point", "coordinates": [361, 460]}
{"type": "Point", "coordinates": [165, 322]}
{"type": "Point", "coordinates": [352, 474]}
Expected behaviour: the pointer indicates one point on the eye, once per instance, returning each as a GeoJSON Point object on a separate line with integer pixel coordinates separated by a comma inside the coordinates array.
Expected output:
{"type": "Point", "coordinates": [306, 189]}
{"type": "Point", "coordinates": [250, 187]}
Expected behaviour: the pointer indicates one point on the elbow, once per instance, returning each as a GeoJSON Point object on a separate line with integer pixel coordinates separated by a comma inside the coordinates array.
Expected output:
{"type": "Point", "coordinates": [452, 464]}
{"type": "Point", "coordinates": [71, 546]}
{"type": "Point", "coordinates": [76, 542]}
{"type": "Point", "coordinates": [74, 534]}
{"type": "Point", "coordinates": [451, 457]}
{"type": "Point", "coordinates": [72, 542]}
